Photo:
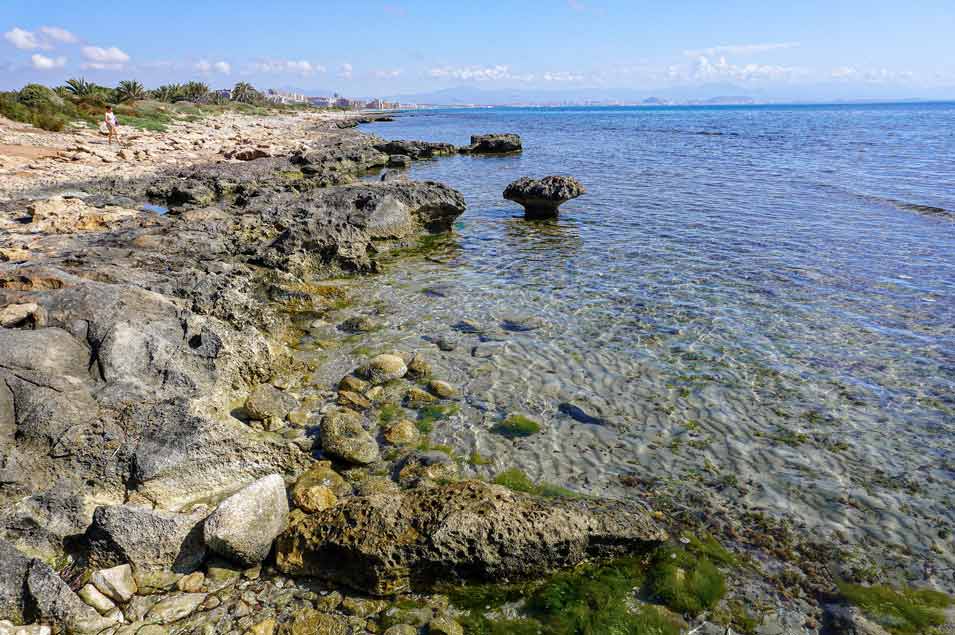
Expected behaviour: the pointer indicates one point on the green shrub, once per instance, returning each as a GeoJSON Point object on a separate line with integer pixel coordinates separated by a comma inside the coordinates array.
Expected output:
{"type": "Point", "coordinates": [48, 121]}
{"type": "Point", "coordinates": [684, 582]}
{"type": "Point", "coordinates": [900, 611]}
{"type": "Point", "coordinates": [37, 96]}
{"type": "Point", "coordinates": [516, 426]}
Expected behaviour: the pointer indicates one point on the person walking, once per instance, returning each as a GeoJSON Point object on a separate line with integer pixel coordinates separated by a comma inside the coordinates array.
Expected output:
{"type": "Point", "coordinates": [111, 125]}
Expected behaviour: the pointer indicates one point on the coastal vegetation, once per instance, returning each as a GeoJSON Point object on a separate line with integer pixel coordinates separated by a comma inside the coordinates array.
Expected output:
{"type": "Point", "coordinates": [899, 611]}
{"type": "Point", "coordinates": [79, 102]}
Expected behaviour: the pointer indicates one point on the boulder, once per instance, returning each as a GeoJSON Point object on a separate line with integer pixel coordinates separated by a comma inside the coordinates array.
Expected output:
{"type": "Point", "coordinates": [383, 368]}
{"type": "Point", "coordinates": [542, 197]}
{"type": "Point", "coordinates": [416, 149]}
{"type": "Point", "coordinates": [116, 583]}
{"type": "Point", "coordinates": [244, 525]}
{"type": "Point", "coordinates": [175, 607]}
{"type": "Point", "coordinates": [267, 403]}
{"type": "Point", "coordinates": [493, 144]}
{"type": "Point", "coordinates": [343, 437]}
{"type": "Point", "coordinates": [148, 539]}
{"type": "Point", "coordinates": [402, 432]}
{"type": "Point", "coordinates": [52, 599]}
{"type": "Point", "coordinates": [389, 543]}
{"type": "Point", "coordinates": [319, 488]}
{"type": "Point", "coordinates": [13, 575]}
{"type": "Point", "coordinates": [92, 596]}
{"type": "Point", "coordinates": [399, 161]}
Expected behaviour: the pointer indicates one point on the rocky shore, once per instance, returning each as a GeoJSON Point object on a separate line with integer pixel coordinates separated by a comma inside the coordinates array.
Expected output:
{"type": "Point", "coordinates": [168, 465]}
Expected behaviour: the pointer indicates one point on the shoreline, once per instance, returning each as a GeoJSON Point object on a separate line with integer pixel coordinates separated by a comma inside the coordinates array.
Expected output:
{"type": "Point", "coordinates": [236, 311]}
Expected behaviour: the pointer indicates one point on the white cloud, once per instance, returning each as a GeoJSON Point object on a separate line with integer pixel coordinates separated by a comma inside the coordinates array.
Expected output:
{"type": "Point", "coordinates": [297, 67]}
{"type": "Point", "coordinates": [741, 49]}
{"type": "Point", "coordinates": [59, 34]}
{"type": "Point", "coordinates": [562, 76]}
{"type": "Point", "coordinates": [23, 39]}
{"type": "Point", "coordinates": [346, 71]}
{"type": "Point", "coordinates": [871, 75]}
{"type": "Point", "coordinates": [478, 73]}
{"type": "Point", "coordinates": [392, 74]}
{"type": "Point", "coordinates": [205, 66]}
{"type": "Point", "coordinates": [44, 63]}
{"type": "Point", "coordinates": [99, 58]}
{"type": "Point", "coordinates": [705, 69]}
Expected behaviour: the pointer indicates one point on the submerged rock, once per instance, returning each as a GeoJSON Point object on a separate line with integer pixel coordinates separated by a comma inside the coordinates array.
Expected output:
{"type": "Point", "coordinates": [244, 525]}
{"type": "Point", "coordinates": [343, 437]}
{"type": "Point", "coordinates": [416, 149]}
{"type": "Point", "coordinates": [493, 144]}
{"type": "Point", "coordinates": [386, 544]}
{"type": "Point", "coordinates": [542, 197]}
{"type": "Point", "coordinates": [383, 368]}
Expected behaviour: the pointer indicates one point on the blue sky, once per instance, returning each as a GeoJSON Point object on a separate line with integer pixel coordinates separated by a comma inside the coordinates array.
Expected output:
{"type": "Point", "coordinates": [808, 49]}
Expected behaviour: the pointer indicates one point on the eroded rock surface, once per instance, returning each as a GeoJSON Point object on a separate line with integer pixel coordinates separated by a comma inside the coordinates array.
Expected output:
{"type": "Point", "coordinates": [493, 144]}
{"type": "Point", "coordinates": [387, 543]}
{"type": "Point", "coordinates": [541, 197]}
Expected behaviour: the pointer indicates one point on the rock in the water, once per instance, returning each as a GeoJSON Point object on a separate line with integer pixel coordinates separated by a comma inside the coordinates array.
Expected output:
{"type": "Point", "coordinates": [493, 144]}
{"type": "Point", "coordinates": [542, 197]}
{"type": "Point", "coordinates": [416, 149]}
{"type": "Point", "coordinates": [343, 437]}
{"type": "Point", "coordinates": [383, 544]}
{"type": "Point", "coordinates": [175, 607]}
{"type": "Point", "coordinates": [358, 324]}
{"type": "Point", "coordinates": [402, 432]}
{"type": "Point", "coordinates": [148, 539]}
{"type": "Point", "coordinates": [267, 402]}
{"type": "Point", "coordinates": [319, 488]}
{"type": "Point", "coordinates": [384, 368]}
{"type": "Point", "coordinates": [244, 525]}
{"type": "Point", "coordinates": [116, 583]}
{"type": "Point", "coordinates": [399, 161]}
{"type": "Point", "coordinates": [441, 389]}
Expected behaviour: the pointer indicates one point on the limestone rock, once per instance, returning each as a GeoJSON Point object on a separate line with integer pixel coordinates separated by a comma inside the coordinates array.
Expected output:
{"type": "Point", "coordinates": [542, 197]}
{"type": "Point", "coordinates": [175, 607]}
{"type": "Point", "coordinates": [13, 574]}
{"type": "Point", "coordinates": [148, 539]}
{"type": "Point", "coordinates": [14, 315]}
{"type": "Point", "coordinates": [343, 437]}
{"type": "Point", "coordinates": [384, 368]}
{"type": "Point", "coordinates": [467, 530]}
{"type": "Point", "coordinates": [244, 525]}
{"type": "Point", "coordinates": [319, 488]}
{"type": "Point", "coordinates": [443, 625]}
{"type": "Point", "coordinates": [92, 596]}
{"type": "Point", "coordinates": [493, 144]}
{"type": "Point", "coordinates": [53, 600]}
{"type": "Point", "coordinates": [399, 161]}
{"type": "Point", "coordinates": [116, 583]}
{"type": "Point", "coordinates": [441, 389]}
{"type": "Point", "coordinates": [353, 400]}
{"type": "Point", "coordinates": [402, 432]}
{"type": "Point", "coordinates": [267, 402]}
{"type": "Point", "coordinates": [416, 149]}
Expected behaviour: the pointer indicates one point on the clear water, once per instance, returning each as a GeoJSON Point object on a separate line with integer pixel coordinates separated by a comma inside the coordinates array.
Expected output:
{"type": "Point", "coordinates": [758, 303]}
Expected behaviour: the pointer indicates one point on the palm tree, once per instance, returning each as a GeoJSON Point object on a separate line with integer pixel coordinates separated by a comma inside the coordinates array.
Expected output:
{"type": "Point", "coordinates": [195, 91]}
{"type": "Point", "coordinates": [168, 92]}
{"type": "Point", "coordinates": [130, 90]}
{"type": "Point", "coordinates": [80, 87]}
{"type": "Point", "coordinates": [245, 93]}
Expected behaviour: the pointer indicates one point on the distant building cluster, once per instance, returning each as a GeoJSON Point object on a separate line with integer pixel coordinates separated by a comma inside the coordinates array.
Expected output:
{"type": "Point", "coordinates": [336, 101]}
{"type": "Point", "coordinates": [283, 97]}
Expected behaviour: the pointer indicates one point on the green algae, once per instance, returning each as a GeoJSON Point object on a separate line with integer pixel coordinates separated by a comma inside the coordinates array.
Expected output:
{"type": "Point", "coordinates": [389, 413]}
{"type": "Point", "coordinates": [683, 581]}
{"type": "Point", "coordinates": [901, 611]}
{"type": "Point", "coordinates": [477, 458]}
{"type": "Point", "coordinates": [515, 479]}
{"type": "Point", "coordinates": [431, 414]}
{"type": "Point", "coordinates": [516, 426]}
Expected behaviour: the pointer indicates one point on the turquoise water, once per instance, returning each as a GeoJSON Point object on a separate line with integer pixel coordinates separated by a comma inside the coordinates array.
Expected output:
{"type": "Point", "coordinates": [756, 302]}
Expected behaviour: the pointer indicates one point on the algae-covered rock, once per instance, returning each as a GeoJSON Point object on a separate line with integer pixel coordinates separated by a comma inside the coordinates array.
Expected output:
{"type": "Point", "coordinates": [319, 488]}
{"type": "Point", "coordinates": [343, 437]}
{"type": "Point", "coordinates": [471, 530]}
{"type": "Point", "coordinates": [267, 402]}
{"type": "Point", "coordinates": [384, 368]}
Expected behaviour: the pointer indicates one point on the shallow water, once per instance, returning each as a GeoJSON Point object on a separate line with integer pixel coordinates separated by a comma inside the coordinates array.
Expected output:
{"type": "Point", "coordinates": [757, 302]}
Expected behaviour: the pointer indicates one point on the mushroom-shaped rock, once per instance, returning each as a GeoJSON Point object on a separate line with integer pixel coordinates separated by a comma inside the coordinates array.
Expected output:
{"type": "Point", "coordinates": [493, 144]}
{"type": "Point", "coordinates": [542, 197]}
{"type": "Point", "coordinates": [244, 525]}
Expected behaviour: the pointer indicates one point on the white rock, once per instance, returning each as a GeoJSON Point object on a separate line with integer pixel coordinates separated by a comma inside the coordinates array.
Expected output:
{"type": "Point", "coordinates": [244, 525]}
{"type": "Point", "coordinates": [116, 583]}
{"type": "Point", "coordinates": [92, 596]}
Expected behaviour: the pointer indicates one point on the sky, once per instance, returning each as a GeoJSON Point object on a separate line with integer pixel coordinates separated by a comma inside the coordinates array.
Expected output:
{"type": "Point", "coordinates": [807, 50]}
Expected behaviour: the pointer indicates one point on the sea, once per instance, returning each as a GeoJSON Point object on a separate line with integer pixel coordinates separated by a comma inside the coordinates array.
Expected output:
{"type": "Point", "coordinates": [754, 305]}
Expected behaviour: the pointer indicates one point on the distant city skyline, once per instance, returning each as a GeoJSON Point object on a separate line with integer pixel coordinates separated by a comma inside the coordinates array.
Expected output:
{"type": "Point", "coordinates": [541, 51]}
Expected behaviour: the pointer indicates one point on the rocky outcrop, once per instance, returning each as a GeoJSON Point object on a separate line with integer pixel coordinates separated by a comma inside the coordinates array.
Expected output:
{"type": "Point", "coordinates": [244, 525]}
{"type": "Point", "coordinates": [541, 197]}
{"type": "Point", "coordinates": [148, 539]}
{"type": "Point", "coordinates": [14, 567]}
{"type": "Point", "coordinates": [493, 144]}
{"type": "Point", "coordinates": [416, 149]}
{"type": "Point", "coordinates": [388, 543]}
